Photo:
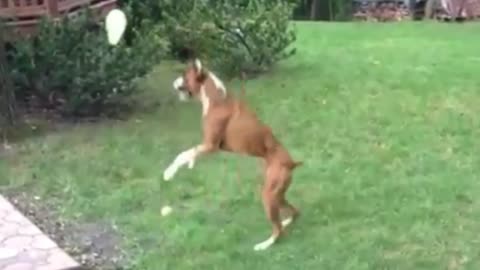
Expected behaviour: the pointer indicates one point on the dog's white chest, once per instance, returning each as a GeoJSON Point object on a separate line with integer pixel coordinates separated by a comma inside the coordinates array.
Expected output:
{"type": "Point", "coordinates": [205, 101]}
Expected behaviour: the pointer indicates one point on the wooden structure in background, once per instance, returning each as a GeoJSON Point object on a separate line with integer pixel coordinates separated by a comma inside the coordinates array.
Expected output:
{"type": "Point", "coordinates": [461, 8]}
{"type": "Point", "coordinates": [22, 16]}
{"type": "Point", "coordinates": [451, 10]}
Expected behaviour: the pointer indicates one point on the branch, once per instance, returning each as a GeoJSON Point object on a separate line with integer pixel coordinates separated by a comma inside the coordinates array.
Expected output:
{"type": "Point", "coordinates": [239, 36]}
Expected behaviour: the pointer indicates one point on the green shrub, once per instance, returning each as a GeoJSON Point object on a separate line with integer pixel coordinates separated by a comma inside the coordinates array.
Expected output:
{"type": "Point", "coordinates": [69, 66]}
{"type": "Point", "coordinates": [145, 13]}
{"type": "Point", "coordinates": [232, 35]}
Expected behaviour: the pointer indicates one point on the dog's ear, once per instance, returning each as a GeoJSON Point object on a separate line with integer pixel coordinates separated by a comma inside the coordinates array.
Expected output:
{"type": "Point", "coordinates": [201, 72]}
{"type": "Point", "coordinates": [198, 65]}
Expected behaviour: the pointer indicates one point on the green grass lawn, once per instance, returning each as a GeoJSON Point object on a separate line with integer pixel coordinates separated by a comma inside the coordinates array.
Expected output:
{"type": "Point", "coordinates": [386, 118]}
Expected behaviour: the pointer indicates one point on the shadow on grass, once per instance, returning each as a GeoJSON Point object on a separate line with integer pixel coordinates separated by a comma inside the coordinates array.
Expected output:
{"type": "Point", "coordinates": [155, 92]}
{"type": "Point", "coordinates": [32, 125]}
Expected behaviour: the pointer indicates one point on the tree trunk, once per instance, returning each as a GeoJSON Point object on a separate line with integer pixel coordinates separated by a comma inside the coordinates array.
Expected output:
{"type": "Point", "coordinates": [313, 10]}
{"type": "Point", "coordinates": [461, 8]}
{"type": "Point", "coordinates": [429, 8]}
{"type": "Point", "coordinates": [411, 7]}
{"type": "Point", "coordinates": [7, 97]}
{"type": "Point", "coordinates": [330, 10]}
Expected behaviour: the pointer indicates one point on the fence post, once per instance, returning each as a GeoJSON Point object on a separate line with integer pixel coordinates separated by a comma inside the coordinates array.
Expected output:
{"type": "Point", "coordinates": [52, 7]}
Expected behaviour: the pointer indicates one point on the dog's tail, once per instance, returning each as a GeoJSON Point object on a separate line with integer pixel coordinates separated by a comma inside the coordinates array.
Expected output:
{"type": "Point", "coordinates": [295, 164]}
{"type": "Point", "coordinates": [244, 80]}
{"type": "Point", "coordinates": [240, 104]}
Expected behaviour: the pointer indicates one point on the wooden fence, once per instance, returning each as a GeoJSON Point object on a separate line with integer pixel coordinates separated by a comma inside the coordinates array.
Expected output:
{"type": "Point", "coordinates": [23, 15]}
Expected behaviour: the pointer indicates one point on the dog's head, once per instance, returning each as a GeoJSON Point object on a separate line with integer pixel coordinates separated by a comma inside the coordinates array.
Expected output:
{"type": "Point", "coordinates": [189, 84]}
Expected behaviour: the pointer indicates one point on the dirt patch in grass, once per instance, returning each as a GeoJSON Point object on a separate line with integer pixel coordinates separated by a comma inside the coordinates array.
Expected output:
{"type": "Point", "coordinates": [96, 245]}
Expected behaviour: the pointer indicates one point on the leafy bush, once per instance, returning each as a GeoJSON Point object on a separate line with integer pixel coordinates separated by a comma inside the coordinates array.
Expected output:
{"type": "Point", "coordinates": [233, 35]}
{"type": "Point", "coordinates": [145, 13]}
{"type": "Point", "coordinates": [236, 35]}
{"type": "Point", "coordinates": [69, 66]}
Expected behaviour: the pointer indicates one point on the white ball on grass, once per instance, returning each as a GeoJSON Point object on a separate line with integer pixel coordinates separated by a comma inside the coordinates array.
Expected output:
{"type": "Point", "coordinates": [166, 210]}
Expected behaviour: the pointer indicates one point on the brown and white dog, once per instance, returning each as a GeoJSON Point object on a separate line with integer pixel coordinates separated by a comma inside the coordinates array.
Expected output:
{"type": "Point", "coordinates": [229, 125]}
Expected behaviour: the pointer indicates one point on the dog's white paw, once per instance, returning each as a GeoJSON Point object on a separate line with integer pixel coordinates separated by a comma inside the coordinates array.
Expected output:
{"type": "Point", "coordinates": [265, 244]}
{"type": "Point", "coordinates": [169, 173]}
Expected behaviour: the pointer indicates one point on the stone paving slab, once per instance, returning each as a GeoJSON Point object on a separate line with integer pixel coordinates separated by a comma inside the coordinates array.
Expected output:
{"type": "Point", "coordinates": [24, 247]}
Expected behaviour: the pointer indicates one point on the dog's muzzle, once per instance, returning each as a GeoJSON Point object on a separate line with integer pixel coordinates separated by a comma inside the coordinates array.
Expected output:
{"type": "Point", "coordinates": [178, 85]}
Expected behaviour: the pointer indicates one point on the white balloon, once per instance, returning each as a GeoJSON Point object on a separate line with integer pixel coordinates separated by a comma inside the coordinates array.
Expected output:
{"type": "Point", "coordinates": [115, 24]}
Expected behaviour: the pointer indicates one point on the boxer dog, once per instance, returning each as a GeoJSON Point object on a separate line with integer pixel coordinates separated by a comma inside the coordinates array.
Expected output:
{"type": "Point", "coordinates": [230, 125]}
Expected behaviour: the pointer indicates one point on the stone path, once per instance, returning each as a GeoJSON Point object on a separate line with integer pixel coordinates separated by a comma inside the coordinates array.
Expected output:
{"type": "Point", "coordinates": [24, 247]}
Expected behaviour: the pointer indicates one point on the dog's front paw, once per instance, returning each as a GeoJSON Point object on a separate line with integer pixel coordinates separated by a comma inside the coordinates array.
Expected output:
{"type": "Point", "coordinates": [169, 173]}
{"type": "Point", "coordinates": [191, 163]}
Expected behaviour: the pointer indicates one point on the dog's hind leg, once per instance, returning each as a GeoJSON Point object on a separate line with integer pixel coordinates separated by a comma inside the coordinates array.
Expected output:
{"type": "Point", "coordinates": [272, 211]}
{"type": "Point", "coordinates": [286, 207]}
{"type": "Point", "coordinates": [292, 212]}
